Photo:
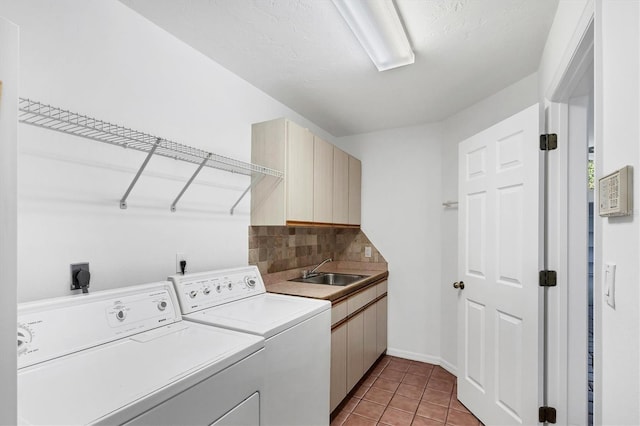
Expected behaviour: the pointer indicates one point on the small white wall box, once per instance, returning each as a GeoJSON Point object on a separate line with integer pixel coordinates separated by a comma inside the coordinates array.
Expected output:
{"type": "Point", "coordinates": [616, 193]}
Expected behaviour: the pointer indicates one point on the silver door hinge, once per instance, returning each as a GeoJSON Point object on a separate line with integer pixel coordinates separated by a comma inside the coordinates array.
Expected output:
{"type": "Point", "coordinates": [547, 415]}
{"type": "Point", "coordinates": [548, 142]}
{"type": "Point", "coordinates": [548, 278]}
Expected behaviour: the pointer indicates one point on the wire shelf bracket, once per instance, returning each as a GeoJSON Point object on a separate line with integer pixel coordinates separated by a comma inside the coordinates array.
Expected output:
{"type": "Point", "coordinates": [53, 118]}
{"type": "Point", "coordinates": [123, 200]}
{"type": "Point", "coordinates": [175, 202]}
{"type": "Point", "coordinates": [254, 182]}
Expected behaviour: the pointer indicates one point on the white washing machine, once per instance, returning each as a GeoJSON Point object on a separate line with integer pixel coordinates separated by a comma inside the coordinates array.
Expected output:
{"type": "Point", "coordinates": [126, 356]}
{"type": "Point", "coordinates": [297, 334]}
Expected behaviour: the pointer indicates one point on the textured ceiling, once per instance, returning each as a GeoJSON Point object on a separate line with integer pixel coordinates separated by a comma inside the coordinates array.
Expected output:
{"type": "Point", "coordinates": [301, 53]}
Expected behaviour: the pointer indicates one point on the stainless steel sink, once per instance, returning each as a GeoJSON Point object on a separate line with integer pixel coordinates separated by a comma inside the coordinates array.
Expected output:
{"type": "Point", "coordinates": [331, 279]}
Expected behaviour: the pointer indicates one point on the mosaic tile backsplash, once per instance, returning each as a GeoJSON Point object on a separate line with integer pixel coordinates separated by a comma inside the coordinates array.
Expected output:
{"type": "Point", "coordinates": [278, 248]}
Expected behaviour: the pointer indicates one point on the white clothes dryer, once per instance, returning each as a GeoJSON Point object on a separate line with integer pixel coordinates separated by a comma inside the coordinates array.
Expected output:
{"type": "Point", "coordinates": [126, 356]}
{"type": "Point", "coordinates": [297, 334]}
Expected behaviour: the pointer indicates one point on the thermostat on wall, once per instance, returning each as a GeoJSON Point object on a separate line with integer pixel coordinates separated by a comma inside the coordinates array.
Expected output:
{"type": "Point", "coordinates": [616, 193]}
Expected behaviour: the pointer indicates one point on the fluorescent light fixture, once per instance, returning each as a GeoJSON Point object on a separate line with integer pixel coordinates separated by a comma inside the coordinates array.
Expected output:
{"type": "Point", "coordinates": [378, 28]}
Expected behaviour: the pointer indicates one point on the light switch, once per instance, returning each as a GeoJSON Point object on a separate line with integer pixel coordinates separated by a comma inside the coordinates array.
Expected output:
{"type": "Point", "coordinates": [367, 251]}
{"type": "Point", "coordinates": [610, 284]}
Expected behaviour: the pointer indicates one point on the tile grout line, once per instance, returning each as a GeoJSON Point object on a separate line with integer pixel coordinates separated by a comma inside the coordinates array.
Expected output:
{"type": "Point", "coordinates": [400, 381]}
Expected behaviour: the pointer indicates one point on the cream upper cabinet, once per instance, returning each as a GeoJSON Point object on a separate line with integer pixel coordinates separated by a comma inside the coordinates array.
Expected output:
{"type": "Point", "coordinates": [355, 181]}
{"type": "Point", "coordinates": [340, 186]}
{"type": "Point", "coordinates": [268, 146]}
{"type": "Point", "coordinates": [299, 173]}
{"type": "Point", "coordinates": [282, 145]}
{"type": "Point", "coordinates": [322, 181]}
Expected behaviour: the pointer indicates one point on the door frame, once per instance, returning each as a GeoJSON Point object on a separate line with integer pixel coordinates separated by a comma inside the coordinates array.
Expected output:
{"type": "Point", "coordinates": [559, 117]}
{"type": "Point", "coordinates": [9, 54]}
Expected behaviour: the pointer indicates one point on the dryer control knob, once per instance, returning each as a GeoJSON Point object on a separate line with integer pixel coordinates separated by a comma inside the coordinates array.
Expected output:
{"type": "Point", "coordinates": [206, 290]}
{"type": "Point", "coordinates": [121, 315]}
{"type": "Point", "coordinates": [229, 286]}
{"type": "Point", "coordinates": [251, 282]}
{"type": "Point", "coordinates": [218, 288]}
{"type": "Point", "coordinates": [162, 305]}
{"type": "Point", "coordinates": [193, 293]}
{"type": "Point", "coordinates": [24, 338]}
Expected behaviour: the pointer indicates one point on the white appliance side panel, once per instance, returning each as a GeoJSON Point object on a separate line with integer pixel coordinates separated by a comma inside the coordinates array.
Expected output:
{"type": "Point", "coordinates": [297, 373]}
{"type": "Point", "coordinates": [264, 315]}
{"type": "Point", "coordinates": [208, 401]}
{"type": "Point", "coordinates": [124, 377]}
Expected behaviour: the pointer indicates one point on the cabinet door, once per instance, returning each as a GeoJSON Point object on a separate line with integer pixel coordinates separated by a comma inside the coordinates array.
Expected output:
{"type": "Point", "coordinates": [370, 335]}
{"type": "Point", "coordinates": [338, 365]}
{"type": "Point", "coordinates": [299, 173]}
{"type": "Point", "coordinates": [268, 195]}
{"type": "Point", "coordinates": [355, 350]}
{"type": "Point", "coordinates": [355, 181]}
{"type": "Point", "coordinates": [322, 181]}
{"type": "Point", "coordinates": [340, 186]}
{"type": "Point", "coordinates": [381, 329]}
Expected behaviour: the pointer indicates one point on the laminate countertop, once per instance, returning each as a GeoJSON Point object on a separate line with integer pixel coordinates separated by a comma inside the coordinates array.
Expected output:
{"type": "Point", "coordinates": [278, 282]}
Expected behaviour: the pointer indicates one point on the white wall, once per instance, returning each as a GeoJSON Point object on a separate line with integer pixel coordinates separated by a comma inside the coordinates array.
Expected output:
{"type": "Point", "coordinates": [617, 134]}
{"type": "Point", "coordinates": [401, 196]}
{"type": "Point", "coordinates": [404, 216]}
{"type": "Point", "coordinates": [9, 39]}
{"type": "Point", "coordinates": [100, 58]}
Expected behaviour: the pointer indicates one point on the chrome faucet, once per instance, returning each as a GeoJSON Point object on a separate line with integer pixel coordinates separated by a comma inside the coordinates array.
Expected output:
{"type": "Point", "coordinates": [311, 273]}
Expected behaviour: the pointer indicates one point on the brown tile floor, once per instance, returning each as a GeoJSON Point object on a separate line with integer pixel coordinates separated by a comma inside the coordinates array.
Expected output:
{"type": "Point", "coordinates": [402, 392]}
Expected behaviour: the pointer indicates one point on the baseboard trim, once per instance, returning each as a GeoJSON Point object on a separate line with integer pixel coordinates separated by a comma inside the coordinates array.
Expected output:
{"type": "Point", "coordinates": [423, 358]}
{"type": "Point", "coordinates": [449, 367]}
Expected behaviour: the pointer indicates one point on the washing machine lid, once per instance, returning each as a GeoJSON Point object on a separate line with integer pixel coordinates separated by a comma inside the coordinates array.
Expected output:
{"type": "Point", "coordinates": [264, 315]}
{"type": "Point", "coordinates": [121, 380]}
{"type": "Point", "coordinates": [115, 381]}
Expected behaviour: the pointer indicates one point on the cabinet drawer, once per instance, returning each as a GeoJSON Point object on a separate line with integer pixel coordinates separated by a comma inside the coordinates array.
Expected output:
{"type": "Point", "coordinates": [338, 312]}
{"type": "Point", "coordinates": [381, 288]}
{"type": "Point", "coordinates": [359, 300]}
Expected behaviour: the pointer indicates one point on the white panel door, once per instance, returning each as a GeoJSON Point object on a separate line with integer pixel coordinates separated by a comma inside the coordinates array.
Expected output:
{"type": "Point", "coordinates": [498, 231]}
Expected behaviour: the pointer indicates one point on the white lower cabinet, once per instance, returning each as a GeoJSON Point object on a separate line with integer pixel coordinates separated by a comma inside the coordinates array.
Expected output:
{"type": "Point", "coordinates": [355, 350]}
{"type": "Point", "coordinates": [359, 340]}
{"type": "Point", "coordinates": [338, 365]}
{"type": "Point", "coordinates": [369, 337]}
{"type": "Point", "coordinates": [381, 326]}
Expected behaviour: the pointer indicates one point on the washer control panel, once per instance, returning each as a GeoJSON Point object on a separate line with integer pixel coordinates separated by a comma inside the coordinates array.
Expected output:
{"type": "Point", "coordinates": [51, 328]}
{"type": "Point", "coordinates": [206, 289]}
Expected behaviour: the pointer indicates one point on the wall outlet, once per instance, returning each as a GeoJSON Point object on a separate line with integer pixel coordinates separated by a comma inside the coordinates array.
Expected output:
{"type": "Point", "coordinates": [80, 276]}
{"type": "Point", "coordinates": [367, 251]}
{"type": "Point", "coordinates": [179, 258]}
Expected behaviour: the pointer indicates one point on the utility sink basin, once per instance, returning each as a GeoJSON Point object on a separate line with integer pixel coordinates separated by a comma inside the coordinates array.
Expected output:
{"type": "Point", "coordinates": [331, 279]}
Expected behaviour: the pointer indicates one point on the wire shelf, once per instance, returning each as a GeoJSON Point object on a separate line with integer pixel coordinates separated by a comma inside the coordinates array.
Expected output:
{"type": "Point", "coordinates": [53, 118]}
{"type": "Point", "coordinates": [61, 120]}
